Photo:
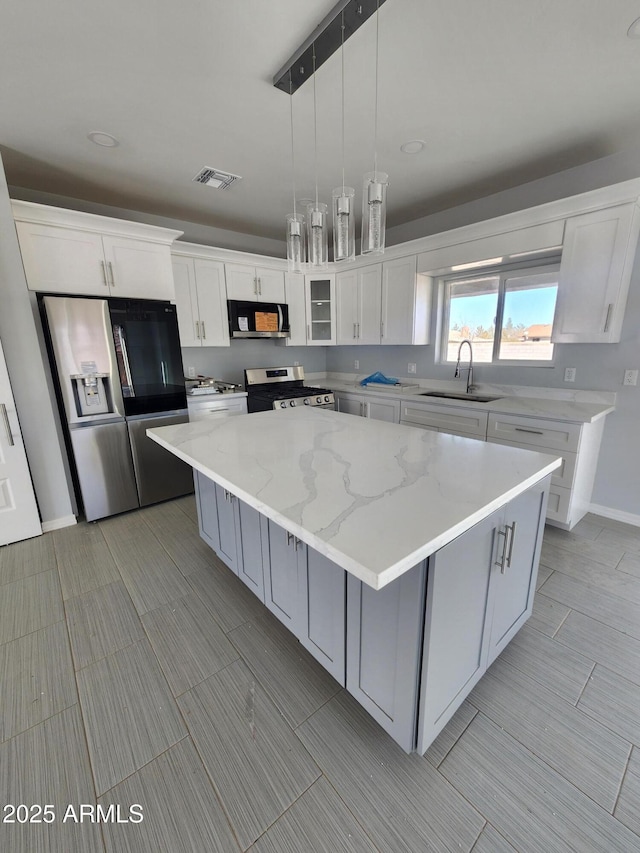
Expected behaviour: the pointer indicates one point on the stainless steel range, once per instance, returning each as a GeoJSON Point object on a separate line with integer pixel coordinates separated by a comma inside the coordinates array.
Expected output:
{"type": "Point", "coordinates": [283, 388]}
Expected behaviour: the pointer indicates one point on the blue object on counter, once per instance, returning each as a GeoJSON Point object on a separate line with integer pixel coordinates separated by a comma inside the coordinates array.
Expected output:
{"type": "Point", "coordinates": [380, 378]}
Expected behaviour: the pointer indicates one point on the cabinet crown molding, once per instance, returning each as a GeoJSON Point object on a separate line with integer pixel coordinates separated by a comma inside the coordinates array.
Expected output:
{"type": "Point", "coordinates": [44, 214]}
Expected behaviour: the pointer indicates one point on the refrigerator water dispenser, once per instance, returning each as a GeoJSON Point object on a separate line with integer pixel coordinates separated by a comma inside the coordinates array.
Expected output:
{"type": "Point", "coordinates": [90, 393]}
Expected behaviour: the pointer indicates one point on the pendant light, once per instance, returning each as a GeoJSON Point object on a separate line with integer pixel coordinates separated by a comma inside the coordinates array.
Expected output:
{"type": "Point", "coordinates": [344, 243]}
{"type": "Point", "coordinates": [318, 242]}
{"type": "Point", "coordinates": [374, 190]}
{"type": "Point", "coordinates": [295, 222]}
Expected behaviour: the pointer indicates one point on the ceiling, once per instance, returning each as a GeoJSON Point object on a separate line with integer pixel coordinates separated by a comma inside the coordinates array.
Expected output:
{"type": "Point", "coordinates": [501, 91]}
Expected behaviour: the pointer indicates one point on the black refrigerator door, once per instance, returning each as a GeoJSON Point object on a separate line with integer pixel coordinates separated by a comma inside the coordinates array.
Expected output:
{"type": "Point", "coordinates": [148, 354]}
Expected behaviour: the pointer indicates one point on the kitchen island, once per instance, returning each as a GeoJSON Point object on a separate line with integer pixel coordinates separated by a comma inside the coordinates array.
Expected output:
{"type": "Point", "coordinates": [403, 560]}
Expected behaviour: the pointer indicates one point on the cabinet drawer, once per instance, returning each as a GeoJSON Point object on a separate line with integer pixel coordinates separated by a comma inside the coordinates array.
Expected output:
{"type": "Point", "coordinates": [555, 435]}
{"type": "Point", "coordinates": [470, 422]}
{"type": "Point", "coordinates": [201, 409]}
{"type": "Point", "coordinates": [558, 504]}
{"type": "Point", "coordinates": [562, 476]}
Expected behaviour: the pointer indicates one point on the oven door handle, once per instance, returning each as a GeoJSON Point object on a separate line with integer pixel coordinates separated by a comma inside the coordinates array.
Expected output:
{"type": "Point", "coordinates": [280, 318]}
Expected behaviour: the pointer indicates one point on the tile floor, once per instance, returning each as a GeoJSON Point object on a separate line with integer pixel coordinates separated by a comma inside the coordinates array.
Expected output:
{"type": "Point", "coordinates": [135, 669]}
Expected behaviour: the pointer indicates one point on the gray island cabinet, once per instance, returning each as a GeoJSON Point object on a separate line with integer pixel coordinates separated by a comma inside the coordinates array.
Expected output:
{"type": "Point", "coordinates": [411, 618]}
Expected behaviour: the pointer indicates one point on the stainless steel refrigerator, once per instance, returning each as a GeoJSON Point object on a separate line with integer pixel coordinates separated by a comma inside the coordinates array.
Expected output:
{"type": "Point", "coordinates": [119, 370]}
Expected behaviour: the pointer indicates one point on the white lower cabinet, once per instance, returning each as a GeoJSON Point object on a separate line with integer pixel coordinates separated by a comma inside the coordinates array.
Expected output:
{"type": "Point", "coordinates": [456, 420]}
{"type": "Point", "coordinates": [206, 406]}
{"type": "Point", "coordinates": [410, 652]}
{"type": "Point", "coordinates": [366, 407]}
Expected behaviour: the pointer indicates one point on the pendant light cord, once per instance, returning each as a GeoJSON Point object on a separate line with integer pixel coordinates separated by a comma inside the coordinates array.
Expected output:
{"type": "Point", "coordinates": [315, 122]}
{"type": "Point", "coordinates": [375, 112]}
{"type": "Point", "coordinates": [293, 161]}
{"type": "Point", "coordinates": [342, 61]}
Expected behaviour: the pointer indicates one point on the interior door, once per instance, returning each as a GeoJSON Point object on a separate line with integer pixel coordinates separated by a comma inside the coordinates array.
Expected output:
{"type": "Point", "coordinates": [19, 517]}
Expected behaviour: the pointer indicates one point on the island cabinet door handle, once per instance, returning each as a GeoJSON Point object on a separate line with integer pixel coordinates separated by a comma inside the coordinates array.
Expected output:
{"type": "Point", "coordinates": [532, 431]}
{"type": "Point", "coordinates": [502, 561]}
{"type": "Point", "coordinates": [512, 539]}
{"type": "Point", "coordinates": [608, 317]}
{"type": "Point", "coordinates": [291, 538]}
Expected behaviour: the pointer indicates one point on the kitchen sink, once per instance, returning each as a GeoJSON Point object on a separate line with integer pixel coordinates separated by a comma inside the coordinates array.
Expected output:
{"type": "Point", "coordinates": [478, 398]}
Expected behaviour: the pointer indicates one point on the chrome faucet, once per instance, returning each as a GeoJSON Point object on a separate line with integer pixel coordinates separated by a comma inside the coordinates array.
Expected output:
{"type": "Point", "coordinates": [470, 385]}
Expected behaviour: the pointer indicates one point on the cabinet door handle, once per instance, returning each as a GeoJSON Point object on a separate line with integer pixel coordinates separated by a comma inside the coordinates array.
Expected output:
{"type": "Point", "coordinates": [104, 273]}
{"type": "Point", "coordinates": [532, 431]}
{"type": "Point", "coordinates": [290, 538]}
{"type": "Point", "coordinates": [381, 328]}
{"type": "Point", "coordinates": [113, 281]}
{"type": "Point", "coordinates": [7, 425]}
{"type": "Point", "coordinates": [502, 561]}
{"type": "Point", "coordinates": [354, 330]}
{"type": "Point", "coordinates": [366, 409]}
{"type": "Point", "coordinates": [197, 328]}
{"type": "Point", "coordinates": [308, 332]}
{"type": "Point", "coordinates": [204, 331]}
{"type": "Point", "coordinates": [259, 286]}
{"type": "Point", "coordinates": [608, 317]}
{"type": "Point", "coordinates": [512, 539]}
{"type": "Point", "coordinates": [358, 330]}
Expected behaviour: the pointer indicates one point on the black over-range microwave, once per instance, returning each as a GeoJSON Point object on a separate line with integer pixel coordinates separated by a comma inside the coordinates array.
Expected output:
{"type": "Point", "coordinates": [258, 319]}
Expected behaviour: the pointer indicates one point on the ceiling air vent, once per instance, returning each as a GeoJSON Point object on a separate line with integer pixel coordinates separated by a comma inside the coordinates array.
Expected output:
{"type": "Point", "coordinates": [215, 178]}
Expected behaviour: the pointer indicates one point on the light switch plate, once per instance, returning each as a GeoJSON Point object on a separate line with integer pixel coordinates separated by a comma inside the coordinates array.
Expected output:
{"type": "Point", "coordinates": [191, 372]}
{"type": "Point", "coordinates": [630, 377]}
{"type": "Point", "coordinates": [569, 374]}
{"type": "Point", "coordinates": [356, 364]}
{"type": "Point", "coordinates": [411, 368]}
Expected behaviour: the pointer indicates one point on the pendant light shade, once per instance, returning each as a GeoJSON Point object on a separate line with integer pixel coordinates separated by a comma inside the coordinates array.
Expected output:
{"type": "Point", "coordinates": [318, 238]}
{"type": "Point", "coordinates": [344, 243]}
{"type": "Point", "coordinates": [374, 212]}
{"type": "Point", "coordinates": [295, 242]}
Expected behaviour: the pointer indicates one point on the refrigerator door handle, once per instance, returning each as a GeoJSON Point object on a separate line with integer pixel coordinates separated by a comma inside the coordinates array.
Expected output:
{"type": "Point", "coordinates": [118, 332]}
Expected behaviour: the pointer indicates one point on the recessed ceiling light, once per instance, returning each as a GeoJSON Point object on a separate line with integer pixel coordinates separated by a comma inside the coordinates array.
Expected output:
{"type": "Point", "coordinates": [634, 30]}
{"type": "Point", "coordinates": [102, 138]}
{"type": "Point", "coordinates": [414, 146]}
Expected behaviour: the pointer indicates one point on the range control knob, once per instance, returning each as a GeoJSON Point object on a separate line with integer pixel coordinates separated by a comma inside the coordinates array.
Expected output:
{"type": "Point", "coordinates": [307, 401]}
{"type": "Point", "coordinates": [283, 405]}
{"type": "Point", "coordinates": [318, 400]}
{"type": "Point", "coordinates": [326, 399]}
{"type": "Point", "coordinates": [292, 402]}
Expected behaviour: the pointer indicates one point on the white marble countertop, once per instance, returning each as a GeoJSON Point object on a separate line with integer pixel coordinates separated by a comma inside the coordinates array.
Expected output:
{"type": "Point", "coordinates": [576, 411]}
{"type": "Point", "coordinates": [376, 498]}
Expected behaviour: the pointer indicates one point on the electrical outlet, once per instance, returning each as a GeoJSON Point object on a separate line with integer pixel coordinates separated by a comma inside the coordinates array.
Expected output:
{"type": "Point", "coordinates": [356, 364]}
{"type": "Point", "coordinates": [296, 364]}
{"type": "Point", "coordinates": [630, 377]}
{"type": "Point", "coordinates": [191, 372]}
{"type": "Point", "coordinates": [569, 374]}
{"type": "Point", "coordinates": [411, 368]}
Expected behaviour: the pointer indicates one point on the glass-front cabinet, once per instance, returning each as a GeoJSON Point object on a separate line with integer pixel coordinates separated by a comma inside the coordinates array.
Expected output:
{"type": "Point", "coordinates": [321, 309]}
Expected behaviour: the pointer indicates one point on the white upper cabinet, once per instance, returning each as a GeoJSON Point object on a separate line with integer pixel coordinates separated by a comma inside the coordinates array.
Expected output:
{"type": "Point", "coordinates": [254, 284]}
{"type": "Point", "coordinates": [406, 303]}
{"type": "Point", "coordinates": [200, 302]}
{"type": "Point", "coordinates": [295, 297]}
{"type": "Point", "coordinates": [64, 251]}
{"type": "Point", "coordinates": [595, 271]}
{"type": "Point", "coordinates": [320, 302]}
{"type": "Point", "coordinates": [358, 305]}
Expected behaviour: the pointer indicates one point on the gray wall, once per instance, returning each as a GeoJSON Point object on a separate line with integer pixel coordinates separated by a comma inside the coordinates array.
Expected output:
{"type": "Point", "coordinates": [29, 380]}
{"type": "Point", "coordinates": [228, 363]}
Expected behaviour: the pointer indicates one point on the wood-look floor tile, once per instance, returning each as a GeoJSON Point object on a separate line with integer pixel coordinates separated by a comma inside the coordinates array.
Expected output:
{"type": "Point", "coordinates": [592, 601]}
{"type": "Point", "coordinates": [294, 680]}
{"type": "Point", "coordinates": [129, 713]}
{"type": "Point", "coordinates": [101, 622]}
{"type": "Point", "coordinates": [189, 643]}
{"type": "Point", "coordinates": [627, 810]}
{"type": "Point", "coordinates": [613, 701]}
{"type": "Point", "coordinates": [188, 505]}
{"type": "Point", "coordinates": [610, 523]}
{"type": "Point", "coordinates": [610, 580]}
{"type": "Point", "coordinates": [84, 561]}
{"type": "Point", "coordinates": [544, 572]}
{"type": "Point", "coordinates": [179, 537]}
{"type": "Point", "coordinates": [151, 577]}
{"type": "Point", "coordinates": [491, 841]}
{"type": "Point", "coordinates": [49, 765]}
{"type": "Point", "coordinates": [229, 600]}
{"type": "Point", "coordinates": [181, 813]}
{"type": "Point", "coordinates": [258, 766]}
{"type": "Point", "coordinates": [628, 541]}
{"type": "Point", "coordinates": [547, 614]}
{"type": "Point", "coordinates": [402, 800]}
{"type": "Point", "coordinates": [447, 738]}
{"type": "Point", "coordinates": [36, 679]}
{"type": "Point", "coordinates": [319, 820]}
{"type": "Point", "coordinates": [29, 604]}
{"type": "Point", "coordinates": [559, 669]}
{"type": "Point", "coordinates": [615, 650]}
{"type": "Point", "coordinates": [581, 749]}
{"type": "Point", "coordinates": [630, 565]}
{"type": "Point", "coordinates": [29, 557]}
{"type": "Point", "coordinates": [599, 551]}
{"type": "Point", "coordinates": [531, 805]}
{"type": "Point", "coordinates": [587, 529]}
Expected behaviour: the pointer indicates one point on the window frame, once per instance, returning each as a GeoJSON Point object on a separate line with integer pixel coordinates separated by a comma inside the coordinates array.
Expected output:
{"type": "Point", "coordinates": [503, 273]}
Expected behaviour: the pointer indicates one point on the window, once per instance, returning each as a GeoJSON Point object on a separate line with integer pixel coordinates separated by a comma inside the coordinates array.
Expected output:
{"type": "Point", "coordinates": [506, 314]}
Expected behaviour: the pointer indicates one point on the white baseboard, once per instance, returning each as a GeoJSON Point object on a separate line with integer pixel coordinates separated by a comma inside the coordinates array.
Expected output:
{"type": "Point", "coordinates": [57, 523]}
{"type": "Point", "coordinates": [615, 514]}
